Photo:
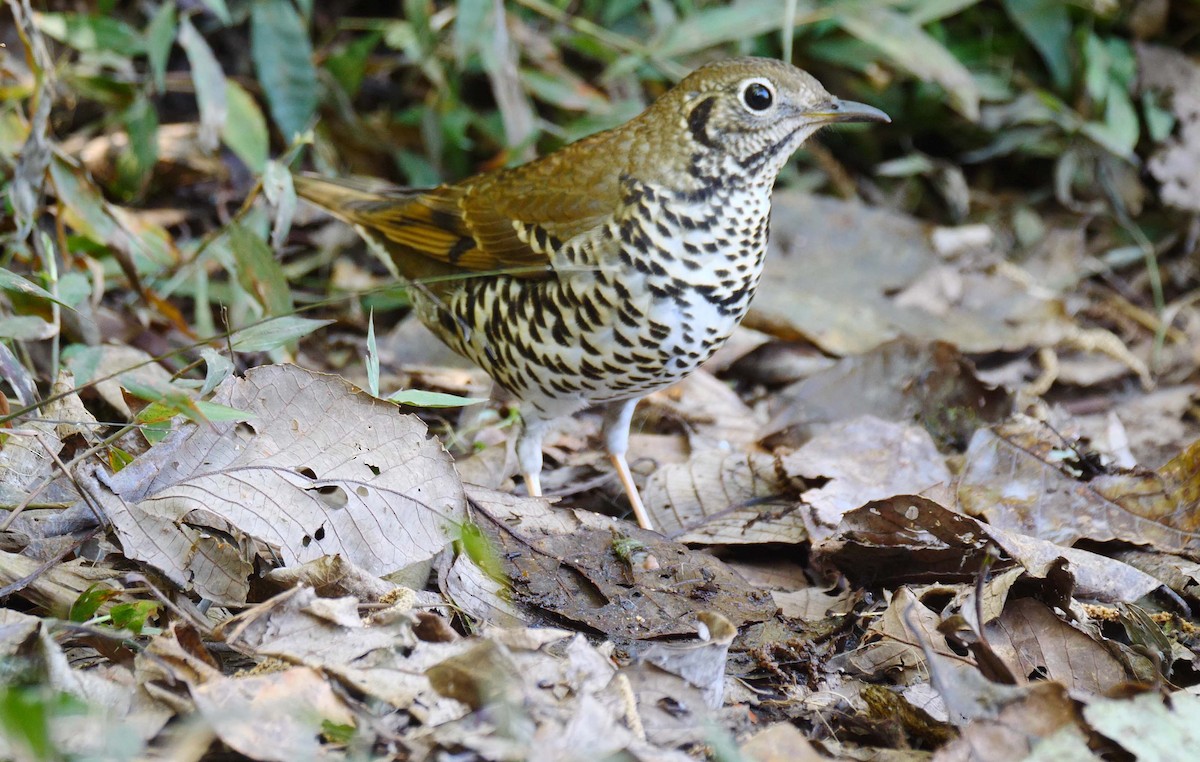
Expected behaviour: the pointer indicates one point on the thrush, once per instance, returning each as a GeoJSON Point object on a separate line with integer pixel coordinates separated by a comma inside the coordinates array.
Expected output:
{"type": "Point", "coordinates": [612, 267]}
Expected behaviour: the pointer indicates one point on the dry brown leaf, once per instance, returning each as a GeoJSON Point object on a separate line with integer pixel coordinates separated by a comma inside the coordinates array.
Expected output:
{"type": "Point", "coordinates": [915, 540]}
{"type": "Point", "coordinates": [301, 628]}
{"type": "Point", "coordinates": [1148, 727]}
{"type": "Point", "coordinates": [781, 742]}
{"type": "Point", "coordinates": [581, 567]}
{"type": "Point", "coordinates": [277, 717]}
{"type": "Point", "coordinates": [861, 460]}
{"type": "Point", "coordinates": [320, 468]}
{"type": "Point", "coordinates": [713, 414]}
{"type": "Point", "coordinates": [700, 663]}
{"type": "Point", "coordinates": [1036, 645]}
{"type": "Point", "coordinates": [891, 647]}
{"type": "Point", "coordinates": [901, 381]}
{"type": "Point", "coordinates": [1176, 164]}
{"type": "Point", "coordinates": [825, 281]}
{"type": "Point", "coordinates": [1018, 729]}
{"type": "Point", "coordinates": [111, 708]}
{"type": "Point", "coordinates": [720, 498]}
{"type": "Point", "coordinates": [1021, 477]}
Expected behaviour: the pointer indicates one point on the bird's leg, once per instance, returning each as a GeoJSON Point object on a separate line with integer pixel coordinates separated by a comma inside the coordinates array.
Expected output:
{"type": "Point", "coordinates": [616, 440]}
{"type": "Point", "coordinates": [529, 452]}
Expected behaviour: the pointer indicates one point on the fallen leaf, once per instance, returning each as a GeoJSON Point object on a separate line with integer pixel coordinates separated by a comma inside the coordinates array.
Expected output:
{"type": "Point", "coordinates": [1022, 477]}
{"type": "Point", "coordinates": [320, 468]}
{"type": "Point", "coordinates": [566, 565]}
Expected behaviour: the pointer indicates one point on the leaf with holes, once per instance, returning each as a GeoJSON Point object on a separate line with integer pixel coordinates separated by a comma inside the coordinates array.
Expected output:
{"type": "Point", "coordinates": [321, 469]}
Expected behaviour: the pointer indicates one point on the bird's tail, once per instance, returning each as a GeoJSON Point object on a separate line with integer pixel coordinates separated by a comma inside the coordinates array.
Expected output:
{"type": "Point", "coordinates": [354, 200]}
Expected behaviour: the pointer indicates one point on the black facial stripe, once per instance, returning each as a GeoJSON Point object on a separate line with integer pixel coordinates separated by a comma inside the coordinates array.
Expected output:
{"type": "Point", "coordinates": [698, 119]}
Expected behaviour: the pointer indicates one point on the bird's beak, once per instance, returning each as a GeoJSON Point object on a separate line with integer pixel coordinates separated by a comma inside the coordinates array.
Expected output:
{"type": "Point", "coordinates": [847, 111]}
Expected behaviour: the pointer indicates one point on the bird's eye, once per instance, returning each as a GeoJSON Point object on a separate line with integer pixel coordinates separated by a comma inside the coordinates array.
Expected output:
{"type": "Point", "coordinates": [757, 96]}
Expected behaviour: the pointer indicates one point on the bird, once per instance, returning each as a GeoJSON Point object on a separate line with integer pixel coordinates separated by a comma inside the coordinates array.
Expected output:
{"type": "Point", "coordinates": [612, 267]}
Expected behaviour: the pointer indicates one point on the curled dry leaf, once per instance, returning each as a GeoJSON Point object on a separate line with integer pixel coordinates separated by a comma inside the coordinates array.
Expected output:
{"type": "Point", "coordinates": [301, 628]}
{"type": "Point", "coordinates": [320, 468]}
{"type": "Point", "coordinates": [861, 460]}
{"type": "Point", "coordinates": [1037, 644]}
{"type": "Point", "coordinates": [109, 706]}
{"type": "Point", "coordinates": [702, 662]}
{"type": "Point", "coordinates": [1021, 477]}
{"type": "Point", "coordinates": [1044, 710]}
{"type": "Point", "coordinates": [781, 742]}
{"type": "Point", "coordinates": [1176, 164]}
{"type": "Point", "coordinates": [275, 717]}
{"type": "Point", "coordinates": [892, 644]}
{"type": "Point", "coordinates": [912, 539]}
{"type": "Point", "coordinates": [1147, 726]}
{"type": "Point", "coordinates": [537, 702]}
{"type": "Point", "coordinates": [904, 381]}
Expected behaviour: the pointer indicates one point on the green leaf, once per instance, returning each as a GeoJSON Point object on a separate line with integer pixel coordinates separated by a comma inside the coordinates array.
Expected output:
{"type": "Point", "coordinates": [118, 458]}
{"type": "Point", "coordinates": [74, 287]}
{"type": "Point", "coordinates": [274, 333]}
{"type": "Point", "coordinates": [420, 398]}
{"type": "Point", "coordinates": [89, 602]}
{"type": "Point", "coordinates": [1122, 63]}
{"type": "Point", "coordinates": [10, 281]}
{"type": "Point", "coordinates": [565, 91]}
{"type": "Point", "coordinates": [154, 421]}
{"type": "Point", "coordinates": [1095, 79]}
{"type": "Point", "coordinates": [91, 33]}
{"type": "Point", "coordinates": [372, 361]}
{"type": "Point", "coordinates": [26, 328]}
{"type": "Point", "coordinates": [337, 733]}
{"type": "Point", "coordinates": [245, 129]}
{"type": "Point", "coordinates": [212, 411]}
{"type": "Point", "coordinates": [282, 56]}
{"type": "Point", "coordinates": [217, 366]}
{"type": "Point", "coordinates": [348, 66]}
{"type": "Point", "coordinates": [1047, 26]}
{"type": "Point", "coordinates": [281, 193]}
{"type": "Point", "coordinates": [910, 47]}
{"type": "Point", "coordinates": [209, 80]}
{"type": "Point", "coordinates": [160, 35]}
{"type": "Point", "coordinates": [908, 165]}
{"type": "Point", "coordinates": [478, 547]}
{"type": "Point", "coordinates": [1118, 133]}
{"type": "Point", "coordinates": [220, 10]}
{"type": "Point", "coordinates": [88, 213]}
{"type": "Point", "coordinates": [720, 23]}
{"type": "Point", "coordinates": [133, 616]}
{"type": "Point", "coordinates": [136, 163]}
{"type": "Point", "coordinates": [1160, 122]}
{"type": "Point", "coordinates": [258, 273]}
{"type": "Point", "coordinates": [472, 32]}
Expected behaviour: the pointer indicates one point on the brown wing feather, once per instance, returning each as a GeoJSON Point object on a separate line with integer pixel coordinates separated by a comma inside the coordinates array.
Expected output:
{"type": "Point", "coordinates": [486, 223]}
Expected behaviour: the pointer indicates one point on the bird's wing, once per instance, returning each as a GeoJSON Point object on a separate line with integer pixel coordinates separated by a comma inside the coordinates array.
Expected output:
{"type": "Point", "coordinates": [511, 220]}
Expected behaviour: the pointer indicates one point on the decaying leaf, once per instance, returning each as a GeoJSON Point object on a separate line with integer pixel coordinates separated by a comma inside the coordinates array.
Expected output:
{"type": "Point", "coordinates": [912, 539]}
{"type": "Point", "coordinates": [722, 498]}
{"type": "Point", "coordinates": [1037, 644]}
{"type": "Point", "coordinates": [902, 381]}
{"type": "Point", "coordinates": [861, 460]}
{"type": "Point", "coordinates": [825, 281]}
{"type": "Point", "coordinates": [1022, 477]}
{"type": "Point", "coordinates": [568, 565]}
{"type": "Point", "coordinates": [320, 468]}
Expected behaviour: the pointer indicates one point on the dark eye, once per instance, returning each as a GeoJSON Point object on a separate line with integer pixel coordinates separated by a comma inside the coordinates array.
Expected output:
{"type": "Point", "coordinates": [757, 96]}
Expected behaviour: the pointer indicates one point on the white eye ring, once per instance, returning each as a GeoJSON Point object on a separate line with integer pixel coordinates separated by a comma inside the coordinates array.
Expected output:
{"type": "Point", "coordinates": [757, 95]}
